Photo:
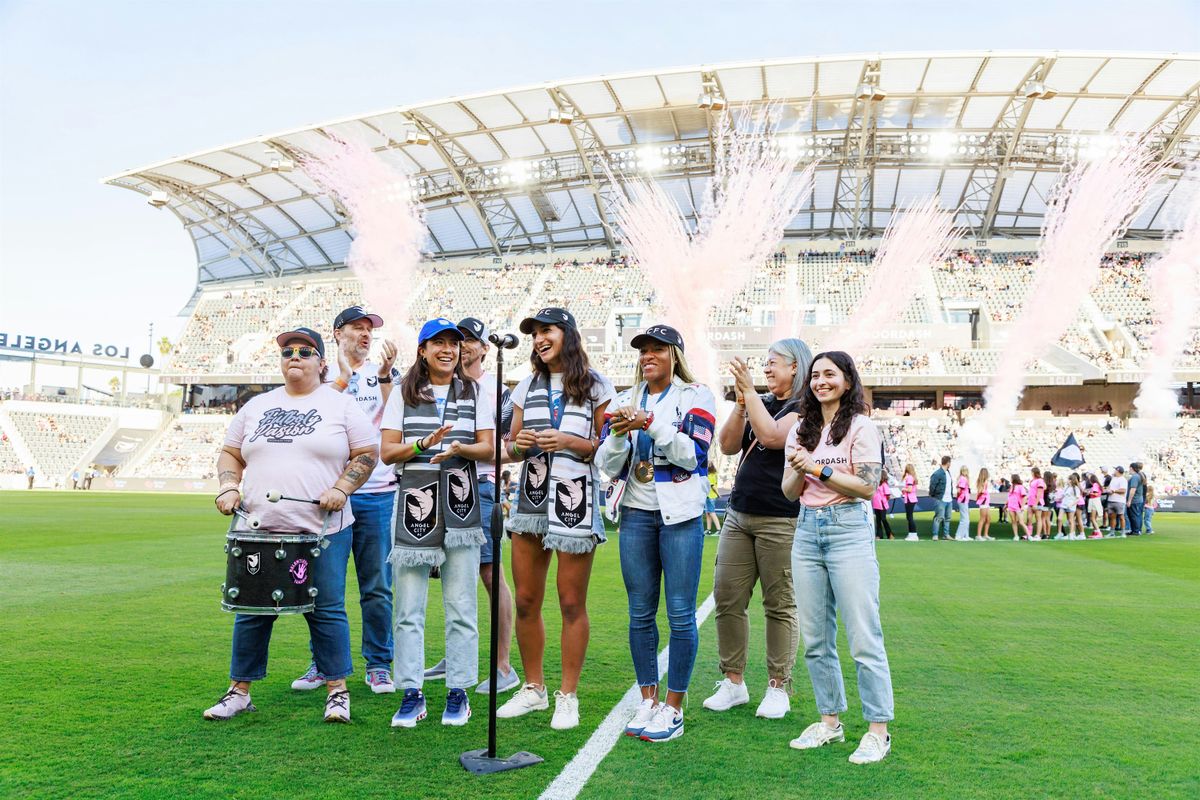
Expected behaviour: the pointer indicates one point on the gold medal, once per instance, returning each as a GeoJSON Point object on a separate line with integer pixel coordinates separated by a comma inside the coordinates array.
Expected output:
{"type": "Point", "coordinates": [644, 471]}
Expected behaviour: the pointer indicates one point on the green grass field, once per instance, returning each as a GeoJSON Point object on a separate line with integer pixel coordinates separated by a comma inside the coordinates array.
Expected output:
{"type": "Point", "coordinates": [1053, 669]}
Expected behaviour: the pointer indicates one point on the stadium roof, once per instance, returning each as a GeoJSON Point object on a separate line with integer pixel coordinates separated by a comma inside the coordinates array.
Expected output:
{"type": "Point", "coordinates": [523, 169]}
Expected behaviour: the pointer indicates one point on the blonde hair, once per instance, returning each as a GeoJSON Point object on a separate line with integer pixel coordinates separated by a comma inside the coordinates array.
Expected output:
{"type": "Point", "coordinates": [909, 469]}
{"type": "Point", "coordinates": [964, 470]}
{"type": "Point", "coordinates": [981, 481]}
{"type": "Point", "coordinates": [679, 367]}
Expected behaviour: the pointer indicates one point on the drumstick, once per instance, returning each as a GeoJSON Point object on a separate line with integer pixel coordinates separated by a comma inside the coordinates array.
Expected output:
{"type": "Point", "coordinates": [252, 520]}
{"type": "Point", "coordinates": [275, 497]}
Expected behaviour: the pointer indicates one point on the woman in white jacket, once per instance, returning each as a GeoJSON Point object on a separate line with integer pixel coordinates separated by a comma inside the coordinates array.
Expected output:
{"type": "Point", "coordinates": [655, 445]}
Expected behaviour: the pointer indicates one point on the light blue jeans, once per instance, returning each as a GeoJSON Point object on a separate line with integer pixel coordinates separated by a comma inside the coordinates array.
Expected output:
{"type": "Point", "coordinates": [964, 520]}
{"type": "Point", "coordinates": [941, 518]}
{"type": "Point", "coordinates": [834, 568]}
{"type": "Point", "coordinates": [459, 574]}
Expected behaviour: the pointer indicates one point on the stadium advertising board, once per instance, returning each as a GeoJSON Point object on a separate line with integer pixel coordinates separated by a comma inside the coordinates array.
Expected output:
{"type": "Point", "coordinates": [62, 346]}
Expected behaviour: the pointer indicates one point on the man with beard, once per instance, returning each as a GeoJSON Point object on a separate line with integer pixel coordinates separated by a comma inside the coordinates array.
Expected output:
{"type": "Point", "coordinates": [473, 352]}
{"type": "Point", "coordinates": [370, 384]}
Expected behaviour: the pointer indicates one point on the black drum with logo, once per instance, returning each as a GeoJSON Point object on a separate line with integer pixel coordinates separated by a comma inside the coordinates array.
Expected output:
{"type": "Point", "coordinates": [270, 573]}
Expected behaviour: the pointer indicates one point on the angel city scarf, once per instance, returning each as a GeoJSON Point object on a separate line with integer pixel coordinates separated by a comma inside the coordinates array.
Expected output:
{"type": "Point", "coordinates": [437, 505]}
{"type": "Point", "coordinates": [557, 489]}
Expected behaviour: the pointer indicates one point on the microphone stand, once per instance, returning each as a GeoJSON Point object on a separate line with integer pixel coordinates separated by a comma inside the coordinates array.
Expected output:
{"type": "Point", "coordinates": [485, 762]}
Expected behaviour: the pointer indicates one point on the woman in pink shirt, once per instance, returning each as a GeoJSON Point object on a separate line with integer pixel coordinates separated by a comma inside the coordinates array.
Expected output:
{"type": "Point", "coordinates": [962, 501]}
{"type": "Point", "coordinates": [1015, 505]}
{"type": "Point", "coordinates": [909, 493]}
{"type": "Point", "coordinates": [880, 502]}
{"type": "Point", "coordinates": [834, 459]}
{"type": "Point", "coordinates": [1039, 511]}
{"type": "Point", "coordinates": [983, 499]}
{"type": "Point", "coordinates": [1095, 507]}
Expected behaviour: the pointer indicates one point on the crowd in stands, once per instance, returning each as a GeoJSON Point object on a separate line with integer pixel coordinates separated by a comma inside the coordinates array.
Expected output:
{"type": "Point", "coordinates": [58, 441]}
{"type": "Point", "coordinates": [187, 449]}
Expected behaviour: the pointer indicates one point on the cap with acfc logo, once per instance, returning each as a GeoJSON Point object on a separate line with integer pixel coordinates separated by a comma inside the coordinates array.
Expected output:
{"type": "Point", "coordinates": [548, 316]}
{"type": "Point", "coordinates": [474, 329]}
{"type": "Point", "coordinates": [658, 333]}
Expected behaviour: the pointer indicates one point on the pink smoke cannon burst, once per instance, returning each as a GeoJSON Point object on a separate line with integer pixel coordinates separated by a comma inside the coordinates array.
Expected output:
{"type": "Point", "coordinates": [1090, 208]}
{"type": "Point", "coordinates": [914, 241]}
{"type": "Point", "coordinates": [755, 192]}
{"type": "Point", "coordinates": [389, 228]}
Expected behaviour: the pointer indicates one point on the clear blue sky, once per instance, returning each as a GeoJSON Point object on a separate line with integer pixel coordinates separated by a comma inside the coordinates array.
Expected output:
{"type": "Point", "coordinates": [90, 88]}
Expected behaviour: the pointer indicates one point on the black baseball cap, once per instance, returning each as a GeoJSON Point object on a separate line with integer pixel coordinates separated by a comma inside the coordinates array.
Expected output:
{"type": "Point", "coordinates": [305, 334]}
{"type": "Point", "coordinates": [659, 333]}
{"type": "Point", "coordinates": [355, 313]}
{"type": "Point", "coordinates": [548, 316]}
{"type": "Point", "coordinates": [474, 329]}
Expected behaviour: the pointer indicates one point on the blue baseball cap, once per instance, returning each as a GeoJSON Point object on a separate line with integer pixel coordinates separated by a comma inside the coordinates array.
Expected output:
{"type": "Point", "coordinates": [435, 326]}
{"type": "Point", "coordinates": [303, 334]}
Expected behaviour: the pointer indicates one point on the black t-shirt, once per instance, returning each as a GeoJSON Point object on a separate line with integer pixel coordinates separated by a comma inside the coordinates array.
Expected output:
{"type": "Point", "coordinates": [756, 489]}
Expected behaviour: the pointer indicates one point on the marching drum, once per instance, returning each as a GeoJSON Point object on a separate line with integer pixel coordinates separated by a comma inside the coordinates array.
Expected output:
{"type": "Point", "coordinates": [270, 573]}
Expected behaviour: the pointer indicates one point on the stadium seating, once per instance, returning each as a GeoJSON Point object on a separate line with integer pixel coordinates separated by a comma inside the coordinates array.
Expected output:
{"type": "Point", "coordinates": [187, 449]}
{"type": "Point", "coordinates": [9, 463]}
{"type": "Point", "coordinates": [58, 440]}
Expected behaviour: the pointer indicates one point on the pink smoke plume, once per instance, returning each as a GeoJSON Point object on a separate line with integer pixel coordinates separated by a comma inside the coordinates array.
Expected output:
{"type": "Point", "coordinates": [389, 227]}
{"type": "Point", "coordinates": [1174, 288]}
{"type": "Point", "coordinates": [755, 193]}
{"type": "Point", "coordinates": [1088, 209]}
{"type": "Point", "coordinates": [914, 241]}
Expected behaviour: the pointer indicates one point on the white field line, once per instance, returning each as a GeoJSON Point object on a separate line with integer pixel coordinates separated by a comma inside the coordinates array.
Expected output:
{"type": "Point", "coordinates": [575, 774]}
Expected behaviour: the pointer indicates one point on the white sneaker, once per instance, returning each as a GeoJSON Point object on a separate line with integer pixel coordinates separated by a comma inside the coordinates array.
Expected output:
{"type": "Point", "coordinates": [912, 537]}
{"type": "Point", "coordinates": [871, 749]}
{"type": "Point", "coordinates": [1060, 536]}
{"type": "Point", "coordinates": [775, 702]}
{"type": "Point", "coordinates": [380, 681]}
{"type": "Point", "coordinates": [310, 680]}
{"type": "Point", "coordinates": [818, 735]}
{"type": "Point", "coordinates": [566, 711]}
{"type": "Point", "coordinates": [337, 706]}
{"type": "Point", "coordinates": [529, 698]}
{"type": "Point", "coordinates": [230, 705]}
{"type": "Point", "coordinates": [728, 695]}
{"type": "Point", "coordinates": [666, 725]}
{"type": "Point", "coordinates": [641, 718]}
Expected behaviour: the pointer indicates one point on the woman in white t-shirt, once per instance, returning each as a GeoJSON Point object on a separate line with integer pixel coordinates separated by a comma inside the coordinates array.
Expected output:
{"type": "Point", "coordinates": [303, 440]}
{"type": "Point", "coordinates": [834, 459]}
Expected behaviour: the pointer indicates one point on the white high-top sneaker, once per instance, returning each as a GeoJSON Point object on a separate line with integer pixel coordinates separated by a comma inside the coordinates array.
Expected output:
{"type": "Point", "coordinates": [728, 695]}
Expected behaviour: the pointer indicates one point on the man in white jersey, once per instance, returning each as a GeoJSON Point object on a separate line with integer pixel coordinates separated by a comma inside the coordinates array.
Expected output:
{"type": "Point", "coordinates": [473, 351]}
{"type": "Point", "coordinates": [369, 384]}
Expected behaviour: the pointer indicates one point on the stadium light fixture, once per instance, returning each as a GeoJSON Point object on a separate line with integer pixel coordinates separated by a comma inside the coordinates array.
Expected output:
{"type": "Point", "coordinates": [650, 159]}
{"type": "Point", "coordinates": [559, 117]}
{"type": "Point", "coordinates": [1037, 90]}
{"type": "Point", "coordinates": [941, 145]}
{"type": "Point", "coordinates": [158, 199]}
{"type": "Point", "coordinates": [869, 93]}
{"type": "Point", "coordinates": [282, 165]}
{"type": "Point", "coordinates": [416, 136]}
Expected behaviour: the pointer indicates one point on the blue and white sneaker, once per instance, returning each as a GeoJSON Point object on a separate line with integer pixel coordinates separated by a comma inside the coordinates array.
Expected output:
{"type": "Point", "coordinates": [641, 718]}
{"type": "Point", "coordinates": [666, 725]}
{"type": "Point", "coordinates": [310, 680]}
{"type": "Point", "coordinates": [458, 708]}
{"type": "Point", "coordinates": [412, 710]}
{"type": "Point", "coordinates": [380, 681]}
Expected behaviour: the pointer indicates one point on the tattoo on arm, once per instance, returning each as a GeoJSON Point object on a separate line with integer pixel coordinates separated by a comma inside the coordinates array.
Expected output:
{"type": "Point", "coordinates": [869, 474]}
{"type": "Point", "coordinates": [359, 468]}
{"type": "Point", "coordinates": [228, 476]}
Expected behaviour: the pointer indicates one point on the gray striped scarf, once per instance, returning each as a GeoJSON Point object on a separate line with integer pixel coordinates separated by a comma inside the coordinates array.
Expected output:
{"type": "Point", "coordinates": [557, 489]}
{"type": "Point", "coordinates": [437, 505]}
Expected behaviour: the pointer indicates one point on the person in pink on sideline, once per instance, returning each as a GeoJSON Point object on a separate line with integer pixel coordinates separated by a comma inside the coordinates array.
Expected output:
{"type": "Point", "coordinates": [1038, 509]}
{"type": "Point", "coordinates": [908, 493]}
{"type": "Point", "coordinates": [1015, 505]}
{"type": "Point", "coordinates": [303, 440]}
{"type": "Point", "coordinates": [962, 501]}
{"type": "Point", "coordinates": [983, 499]}
{"type": "Point", "coordinates": [1095, 505]}
{"type": "Point", "coordinates": [880, 501]}
{"type": "Point", "coordinates": [833, 463]}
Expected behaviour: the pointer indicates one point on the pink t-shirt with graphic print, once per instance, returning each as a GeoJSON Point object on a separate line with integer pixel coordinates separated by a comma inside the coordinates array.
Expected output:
{"type": "Point", "coordinates": [298, 446]}
{"type": "Point", "coordinates": [860, 445]}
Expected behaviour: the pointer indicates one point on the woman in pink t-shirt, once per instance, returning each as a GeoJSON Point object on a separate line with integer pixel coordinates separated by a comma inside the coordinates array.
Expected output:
{"type": "Point", "coordinates": [983, 499]}
{"type": "Point", "coordinates": [834, 457]}
{"type": "Point", "coordinates": [962, 501]}
{"type": "Point", "coordinates": [1015, 506]}
{"type": "Point", "coordinates": [909, 494]}
{"type": "Point", "coordinates": [1038, 509]}
{"type": "Point", "coordinates": [303, 440]}
{"type": "Point", "coordinates": [880, 501]}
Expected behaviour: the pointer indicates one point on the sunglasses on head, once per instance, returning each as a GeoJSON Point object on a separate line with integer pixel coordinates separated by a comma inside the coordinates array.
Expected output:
{"type": "Point", "coordinates": [303, 351]}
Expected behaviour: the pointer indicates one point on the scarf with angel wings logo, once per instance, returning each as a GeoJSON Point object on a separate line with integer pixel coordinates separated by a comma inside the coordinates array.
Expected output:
{"type": "Point", "coordinates": [558, 499]}
{"type": "Point", "coordinates": [437, 505]}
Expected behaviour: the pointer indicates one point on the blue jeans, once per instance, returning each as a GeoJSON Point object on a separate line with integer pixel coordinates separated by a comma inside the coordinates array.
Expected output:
{"type": "Point", "coordinates": [941, 518]}
{"type": "Point", "coordinates": [1134, 514]}
{"type": "Point", "coordinates": [1148, 519]}
{"type": "Point", "coordinates": [653, 553]}
{"type": "Point", "coordinates": [486, 501]}
{"type": "Point", "coordinates": [459, 573]}
{"type": "Point", "coordinates": [834, 568]}
{"type": "Point", "coordinates": [964, 520]}
{"type": "Point", "coordinates": [372, 543]}
{"type": "Point", "coordinates": [327, 623]}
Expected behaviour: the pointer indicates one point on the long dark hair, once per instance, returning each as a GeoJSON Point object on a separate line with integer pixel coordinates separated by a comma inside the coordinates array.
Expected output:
{"type": "Point", "coordinates": [852, 403]}
{"type": "Point", "coordinates": [577, 375]}
{"type": "Point", "coordinates": [415, 387]}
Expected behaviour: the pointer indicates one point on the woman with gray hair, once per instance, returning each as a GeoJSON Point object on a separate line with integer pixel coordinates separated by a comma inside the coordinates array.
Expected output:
{"type": "Point", "coordinates": [760, 524]}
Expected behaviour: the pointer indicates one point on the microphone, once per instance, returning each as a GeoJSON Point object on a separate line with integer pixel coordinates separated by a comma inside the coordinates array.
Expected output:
{"type": "Point", "coordinates": [507, 342]}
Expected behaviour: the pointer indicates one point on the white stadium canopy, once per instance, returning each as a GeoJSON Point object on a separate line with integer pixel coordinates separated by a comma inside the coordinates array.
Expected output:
{"type": "Point", "coordinates": [526, 169]}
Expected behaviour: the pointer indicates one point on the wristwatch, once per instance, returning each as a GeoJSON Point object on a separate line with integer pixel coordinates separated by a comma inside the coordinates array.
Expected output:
{"type": "Point", "coordinates": [825, 474]}
{"type": "Point", "coordinates": [385, 378]}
